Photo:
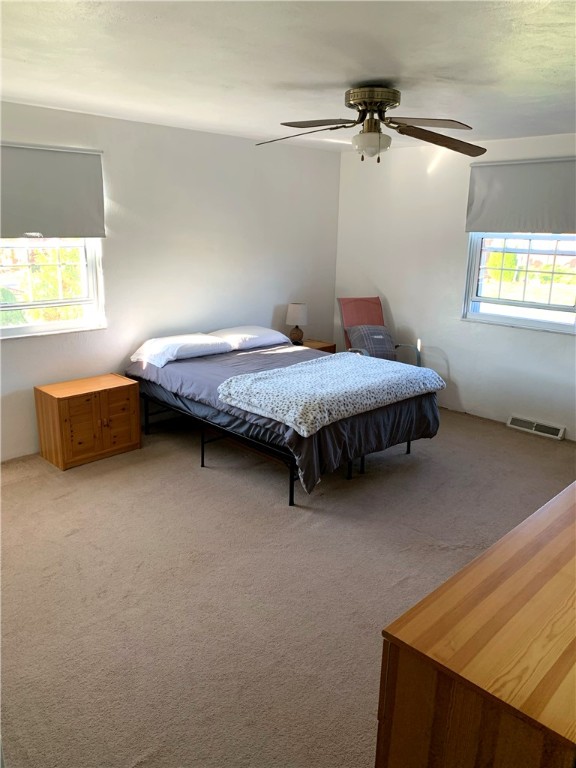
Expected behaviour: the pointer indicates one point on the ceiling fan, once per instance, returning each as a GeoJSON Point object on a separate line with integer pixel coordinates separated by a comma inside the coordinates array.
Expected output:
{"type": "Point", "coordinates": [372, 103]}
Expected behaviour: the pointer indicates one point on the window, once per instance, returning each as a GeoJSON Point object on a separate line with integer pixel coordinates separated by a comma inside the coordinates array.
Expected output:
{"type": "Point", "coordinates": [52, 202]}
{"type": "Point", "coordinates": [527, 280]}
{"type": "Point", "coordinates": [50, 285]}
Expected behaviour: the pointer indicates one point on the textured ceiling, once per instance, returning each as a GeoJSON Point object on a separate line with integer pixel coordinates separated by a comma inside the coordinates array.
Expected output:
{"type": "Point", "coordinates": [242, 68]}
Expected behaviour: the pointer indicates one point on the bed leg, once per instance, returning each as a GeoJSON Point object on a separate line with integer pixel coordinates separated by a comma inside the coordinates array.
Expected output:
{"type": "Point", "coordinates": [350, 470]}
{"type": "Point", "coordinates": [202, 444]}
{"type": "Point", "coordinates": [146, 414]}
{"type": "Point", "coordinates": [408, 447]}
{"type": "Point", "coordinates": [292, 470]}
{"type": "Point", "coordinates": [362, 464]}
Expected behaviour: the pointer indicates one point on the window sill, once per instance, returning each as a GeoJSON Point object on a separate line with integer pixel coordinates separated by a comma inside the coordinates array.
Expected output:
{"type": "Point", "coordinates": [23, 334]}
{"type": "Point", "coordinates": [568, 330]}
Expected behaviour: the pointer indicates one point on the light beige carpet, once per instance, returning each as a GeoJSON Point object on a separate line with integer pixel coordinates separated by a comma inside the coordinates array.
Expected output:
{"type": "Point", "coordinates": [159, 615]}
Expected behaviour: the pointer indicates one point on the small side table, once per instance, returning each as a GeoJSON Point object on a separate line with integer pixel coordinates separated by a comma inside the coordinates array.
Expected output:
{"type": "Point", "coordinates": [323, 346]}
{"type": "Point", "coordinates": [87, 419]}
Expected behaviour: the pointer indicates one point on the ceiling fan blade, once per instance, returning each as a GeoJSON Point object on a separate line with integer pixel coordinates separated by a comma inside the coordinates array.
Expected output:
{"type": "Point", "coordinates": [318, 130]}
{"type": "Point", "coordinates": [437, 138]}
{"type": "Point", "coordinates": [317, 123]}
{"type": "Point", "coordinates": [431, 121]}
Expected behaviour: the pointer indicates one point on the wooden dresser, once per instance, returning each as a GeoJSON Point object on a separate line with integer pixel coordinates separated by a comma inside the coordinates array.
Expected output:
{"type": "Point", "coordinates": [482, 672]}
{"type": "Point", "coordinates": [87, 419]}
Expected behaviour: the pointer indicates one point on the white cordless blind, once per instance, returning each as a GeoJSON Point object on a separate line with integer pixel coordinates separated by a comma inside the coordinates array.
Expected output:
{"type": "Point", "coordinates": [51, 193]}
{"type": "Point", "coordinates": [523, 196]}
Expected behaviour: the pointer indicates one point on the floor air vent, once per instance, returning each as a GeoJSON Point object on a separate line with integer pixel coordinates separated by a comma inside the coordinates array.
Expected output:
{"type": "Point", "coordinates": [537, 428]}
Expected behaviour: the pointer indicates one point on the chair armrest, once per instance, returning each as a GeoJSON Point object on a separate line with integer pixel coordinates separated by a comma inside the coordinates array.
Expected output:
{"type": "Point", "coordinates": [416, 351]}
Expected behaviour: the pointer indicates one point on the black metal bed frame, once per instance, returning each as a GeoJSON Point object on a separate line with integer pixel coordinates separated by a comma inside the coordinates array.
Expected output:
{"type": "Point", "coordinates": [272, 451]}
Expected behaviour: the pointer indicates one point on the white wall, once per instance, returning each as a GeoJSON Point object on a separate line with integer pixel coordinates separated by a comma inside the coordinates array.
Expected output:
{"type": "Point", "coordinates": [402, 236]}
{"type": "Point", "coordinates": [207, 230]}
{"type": "Point", "coordinates": [203, 231]}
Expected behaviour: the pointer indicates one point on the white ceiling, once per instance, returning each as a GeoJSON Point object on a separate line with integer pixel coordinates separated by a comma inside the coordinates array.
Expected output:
{"type": "Point", "coordinates": [242, 68]}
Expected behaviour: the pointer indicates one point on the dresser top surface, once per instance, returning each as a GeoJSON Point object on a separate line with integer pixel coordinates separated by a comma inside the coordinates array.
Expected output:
{"type": "Point", "coordinates": [84, 386]}
{"type": "Point", "coordinates": [507, 621]}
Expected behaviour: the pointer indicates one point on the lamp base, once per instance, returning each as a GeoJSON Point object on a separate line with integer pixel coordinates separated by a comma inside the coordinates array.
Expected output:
{"type": "Point", "coordinates": [296, 335]}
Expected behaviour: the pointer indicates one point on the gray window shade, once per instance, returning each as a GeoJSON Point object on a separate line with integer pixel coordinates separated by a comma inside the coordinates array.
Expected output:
{"type": "Point", "coordinates": [53, 192]}
{"type": "Point", "coordinates": [532, 196]}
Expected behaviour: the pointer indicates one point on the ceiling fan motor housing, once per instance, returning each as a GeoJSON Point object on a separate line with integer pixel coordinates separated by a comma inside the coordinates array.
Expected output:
{"type": "Point", "coordinates": [372, 98]}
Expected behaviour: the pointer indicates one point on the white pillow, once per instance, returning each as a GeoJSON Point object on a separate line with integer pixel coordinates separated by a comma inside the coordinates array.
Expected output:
{"type": "Point", "coordinates": [162, 350]}
{"type": "Point", "coordinates": [250, 336]}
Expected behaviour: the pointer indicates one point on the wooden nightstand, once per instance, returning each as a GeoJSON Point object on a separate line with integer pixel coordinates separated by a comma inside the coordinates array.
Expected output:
{"type": "Point", "coordinates": [87, 419]}
{"type": "Point", "coordinates": [323, 346]}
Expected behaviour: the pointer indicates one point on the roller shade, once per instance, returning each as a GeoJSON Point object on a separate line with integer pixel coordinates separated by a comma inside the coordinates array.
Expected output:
{"type": "Point", "coordinates": [524, 196]}
{"type": "Point", "coordinates": [51, 192]}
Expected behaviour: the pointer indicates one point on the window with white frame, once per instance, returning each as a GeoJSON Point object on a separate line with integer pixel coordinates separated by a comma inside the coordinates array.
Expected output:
{"type": "Point", "coordinates": [522, 279]}
{"type": "Point", "coordinates": [50, 285]}
{"type": "Point", "coordinates": [52, 202]}
{"type": "Point", "coordinates": [519, 273]}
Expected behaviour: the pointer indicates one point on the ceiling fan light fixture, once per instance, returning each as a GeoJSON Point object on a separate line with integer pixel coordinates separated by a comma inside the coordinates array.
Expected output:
{"type": "Point", "coordinates": [371, 144]}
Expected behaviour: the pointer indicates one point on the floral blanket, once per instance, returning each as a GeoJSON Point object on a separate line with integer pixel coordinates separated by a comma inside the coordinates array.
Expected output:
{"type": "Point", "coordinates": [308, 396]}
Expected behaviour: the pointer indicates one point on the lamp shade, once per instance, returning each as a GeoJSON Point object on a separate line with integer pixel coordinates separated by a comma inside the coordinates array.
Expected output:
{"type": "Point", "coordinates": [297, 314]}
{"type": "Point", "coordinates": [371, 144]}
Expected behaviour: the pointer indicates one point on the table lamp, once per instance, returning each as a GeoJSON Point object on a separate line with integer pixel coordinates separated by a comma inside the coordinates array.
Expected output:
{"type": "Point", "coordinates": [297, 315]}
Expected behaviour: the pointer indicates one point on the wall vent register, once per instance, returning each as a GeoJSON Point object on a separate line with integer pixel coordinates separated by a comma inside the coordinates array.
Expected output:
{"type": "Point", "coordinates": [537, 428]}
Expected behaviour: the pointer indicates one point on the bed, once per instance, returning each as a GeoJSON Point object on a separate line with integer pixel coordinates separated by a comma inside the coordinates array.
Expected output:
{"type": "Point", "coordinates": [194, 386]}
